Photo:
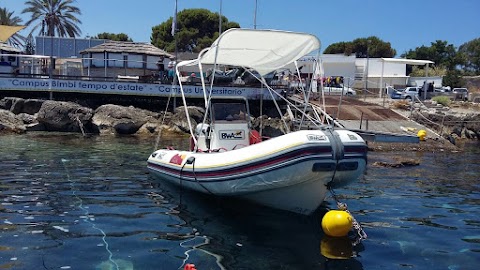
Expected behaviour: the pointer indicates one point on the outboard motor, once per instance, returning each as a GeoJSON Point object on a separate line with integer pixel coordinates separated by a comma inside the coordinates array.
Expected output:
{"type": "Point", "coordinates": [202, 134]}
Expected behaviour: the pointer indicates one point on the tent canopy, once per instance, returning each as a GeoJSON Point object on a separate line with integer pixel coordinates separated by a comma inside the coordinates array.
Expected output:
{"type": "Point", "coordinates": [6, 31]}
{"type": "Point", "coordinates": [263, 50]}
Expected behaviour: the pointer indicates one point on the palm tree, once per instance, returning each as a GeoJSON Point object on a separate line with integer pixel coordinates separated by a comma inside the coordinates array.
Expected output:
{"type": "Point", "coordinates": [54, 17]}
{"type": "Point", "coordinates": [7, 18]}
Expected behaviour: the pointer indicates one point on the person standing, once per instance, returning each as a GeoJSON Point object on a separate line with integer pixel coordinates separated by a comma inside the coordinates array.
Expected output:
{"type": "Point", "coordinates": [171, 69]}
{"type": "Point", "coordinates": [423, 92]}
{"type": "Point", "coordinates": [161, 68]}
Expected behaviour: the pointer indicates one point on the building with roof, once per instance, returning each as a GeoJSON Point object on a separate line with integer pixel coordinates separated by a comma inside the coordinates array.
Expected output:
{"type": "Point", "coordinates": [114, 58]}
{"type": "Point", "coordinates": [367, 73]}
{"type": "Point", "coordinates": [8, 60]}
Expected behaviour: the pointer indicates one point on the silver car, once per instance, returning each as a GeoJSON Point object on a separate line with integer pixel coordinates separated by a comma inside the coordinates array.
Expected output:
{"type": "Point", "coordinates": [410, 93]}
{"type": "Point", "coordinates": [460, 93]}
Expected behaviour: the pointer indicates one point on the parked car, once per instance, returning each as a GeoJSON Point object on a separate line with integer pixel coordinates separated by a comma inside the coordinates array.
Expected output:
{"type": "Point", "coordinates": [396, 94]}
{"type": "Point", "coordinates": [410, 93]}
{"type": "Point", "coordinates": [445, 89]}
{"type": "Point", "coordinates": [339, 90]}
{"type": "Point", "coordinates": [460, 93]}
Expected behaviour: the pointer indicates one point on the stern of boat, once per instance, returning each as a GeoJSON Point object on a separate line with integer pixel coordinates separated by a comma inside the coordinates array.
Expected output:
{"type": "Point", "coordinates": [351, 155]}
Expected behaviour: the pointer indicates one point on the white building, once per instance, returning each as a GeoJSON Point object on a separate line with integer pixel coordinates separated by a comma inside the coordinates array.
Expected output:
{"type": "Point", "coordinates": [365, 73]}
{"type": "Point", "coordinates": [125, 58]}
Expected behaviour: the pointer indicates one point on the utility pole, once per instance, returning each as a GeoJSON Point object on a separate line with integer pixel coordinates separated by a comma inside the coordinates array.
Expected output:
{"type": "Point", "coordinates": [220, 20]}
{"type": "Point", "coordinates": [368, 60]}
{"type": "Point", "coordinates": [255, 16]}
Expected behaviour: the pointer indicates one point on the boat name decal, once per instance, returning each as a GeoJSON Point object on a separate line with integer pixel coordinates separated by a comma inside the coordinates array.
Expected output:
{"type": "Point", "coordinates": [316, 137]}
{"type": "Point", "coordinates": [232, 134]}
{"type": "Point", "coordinates": [352, 137]}
{"type": "Point", "coordinates": [161, 154]}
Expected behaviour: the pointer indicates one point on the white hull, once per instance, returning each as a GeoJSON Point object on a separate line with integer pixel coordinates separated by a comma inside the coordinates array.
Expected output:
{"type": "Point", "coordinates": [290, 172]}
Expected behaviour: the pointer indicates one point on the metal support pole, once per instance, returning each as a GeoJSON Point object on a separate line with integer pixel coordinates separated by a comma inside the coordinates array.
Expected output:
{"type": "Point", "coordinates": [381, 78]}
{"type": "Point", "coordinates": [426, 76]}
{"type": "Point", "coordinates": [220, 20]}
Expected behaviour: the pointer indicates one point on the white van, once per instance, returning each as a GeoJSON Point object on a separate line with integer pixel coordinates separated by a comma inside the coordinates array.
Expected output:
{"type": "Point", "coordinates": [337, 90]}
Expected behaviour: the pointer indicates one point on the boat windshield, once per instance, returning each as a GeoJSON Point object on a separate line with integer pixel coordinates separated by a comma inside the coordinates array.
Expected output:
{"type": "Point", "coordinates": [229, 112]}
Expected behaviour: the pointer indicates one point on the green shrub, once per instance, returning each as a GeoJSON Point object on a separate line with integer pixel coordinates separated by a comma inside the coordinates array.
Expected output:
{"type": "Point", "coordinates": [444, 100]}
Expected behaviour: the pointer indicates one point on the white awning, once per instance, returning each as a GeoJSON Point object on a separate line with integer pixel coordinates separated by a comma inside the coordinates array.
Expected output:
{"type": "Point", "coordinates": [263, 50]}
{"type": "Point", "coordinates": [401, 61]}
{"type": "Point", "coordinates": [407, 61]}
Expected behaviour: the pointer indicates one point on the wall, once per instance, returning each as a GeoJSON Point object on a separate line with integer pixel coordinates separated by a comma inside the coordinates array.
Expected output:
{"type": "Point", "coordinates": [418, 81]}
{"type": "Point", "coordinates": [389, 69]}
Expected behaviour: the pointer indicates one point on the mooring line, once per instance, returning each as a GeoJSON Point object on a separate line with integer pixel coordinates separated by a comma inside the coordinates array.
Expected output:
{"type": "Point", "coordinates": [87, 214]}
{"type": "Point", "coordinates": [218, 258]}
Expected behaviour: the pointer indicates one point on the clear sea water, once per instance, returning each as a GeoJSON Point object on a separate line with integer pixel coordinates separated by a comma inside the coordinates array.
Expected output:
{"type": "Point", "coordinates": [68, 202]}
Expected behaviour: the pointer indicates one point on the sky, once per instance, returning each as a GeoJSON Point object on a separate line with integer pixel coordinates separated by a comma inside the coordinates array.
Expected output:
{"type": "Point", "coordinates": [406, 24]}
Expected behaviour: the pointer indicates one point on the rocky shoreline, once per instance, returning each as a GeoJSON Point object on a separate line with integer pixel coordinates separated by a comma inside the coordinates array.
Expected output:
{"type": "Point", "coordinates": [18, 115]}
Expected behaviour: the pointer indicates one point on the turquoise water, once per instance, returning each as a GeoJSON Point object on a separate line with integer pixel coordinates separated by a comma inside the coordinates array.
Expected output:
{"type": "Point", "coordinates": [68, 202]}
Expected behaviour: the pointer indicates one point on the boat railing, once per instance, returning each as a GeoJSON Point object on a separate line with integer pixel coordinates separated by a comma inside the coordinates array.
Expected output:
{"type": "Point", "coordinates": [302, 108]}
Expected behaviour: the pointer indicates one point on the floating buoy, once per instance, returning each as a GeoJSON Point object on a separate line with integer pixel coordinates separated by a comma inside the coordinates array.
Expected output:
{"type": "Point", "coordinates": [336, 223]}
{"type": "Point", "coordinates": [422, 134]}
{"type": "Point", "coordinates": [189, 266]}
{"type": "Point", "coordinates": [336, 247]}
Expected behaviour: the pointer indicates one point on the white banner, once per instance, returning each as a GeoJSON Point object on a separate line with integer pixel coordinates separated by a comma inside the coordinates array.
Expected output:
{"type": "Point", "coordinates": [124, 88]}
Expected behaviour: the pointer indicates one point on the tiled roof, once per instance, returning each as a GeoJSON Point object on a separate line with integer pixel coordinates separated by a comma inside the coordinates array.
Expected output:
{"type": "Point", "coordinates": [127, 47]}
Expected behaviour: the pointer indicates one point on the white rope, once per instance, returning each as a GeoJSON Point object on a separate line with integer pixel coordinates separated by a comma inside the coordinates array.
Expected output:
{"type": "Point", "coordinates": [87, 214]}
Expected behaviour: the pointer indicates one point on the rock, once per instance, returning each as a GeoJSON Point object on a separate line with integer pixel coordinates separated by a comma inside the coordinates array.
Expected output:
{"type": "Point", "coordinates": [179, 122]}
{"type": "Point", "coordinates": [398, 164]}
{"type": "Point", "coordinates": [271, 127]}
{"type": "Point", "coordinates": [10, 123]}
{"type": "Point", "coordinates": [451, 122]}
{"type": "Point", "coordinates": [31, 122]}
{"type": "Point", "coordinates": [64, 116]}
{"type": "Point", "coordinates": [27, 118]}
{"type": "Point", "coordinates": [149, 129]}
{"type": "Point", "coordinates": [17, 105]}
{"type": "Point", "coordinates": [13, 104]}
{"type": "Point", "coordinates": [197, 113]}
{"type": "Point", "coordinates": [20, 105]}
{"type": "Point", "coordinates": [451, 138]}
{"type": "Point", "coordinates": [5, 104]}
{"type": "Point", "coordinates": [457, 131]}
{"type": "Point", "coordinates": [32, 106]}
{"type": "Point", "coordinates": [35, 127]}
{"type": "Point", "coordinates": [115, 119]}
{"type": "Point", "coordinates": [469, 134]}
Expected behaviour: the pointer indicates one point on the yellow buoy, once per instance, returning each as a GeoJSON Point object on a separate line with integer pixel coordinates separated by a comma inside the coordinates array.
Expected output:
{"type": "Point", "coordinates": [422, 134]}
{"type": "Point", "coordinates": [336, 223]}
